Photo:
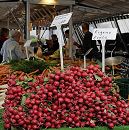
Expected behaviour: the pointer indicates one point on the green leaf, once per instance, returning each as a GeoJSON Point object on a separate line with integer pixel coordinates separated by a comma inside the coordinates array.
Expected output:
{"type": "Point", "coordinates": [19, 82]}
{"type": "Point", "coordinates": [25, 86]}
{"type": "Point", "coordinates": [29, 79]}
{"type": "Point", "coordinates": [18, 128]}
{"type": "Point", "coordinates": [112, 106]}
{"type": "Point", "coordinates": [49, 109]}
{"type": "Point", "coordinates": [87, 77]}
{"type": "Point", "coordinates": [23, 100]}
{"type": "Point", "coordinates": [97, 77]}
{"type": "Point", "coordinates": [46, 80]}
{"type": "Point", "coordinates": [38, 87]}
{"type": "Point", "coordinates": [99, 63]}
{"type": "Point", "coordinates": [66, 114]}
{"type": "Point", "coordinates": [12, 128]}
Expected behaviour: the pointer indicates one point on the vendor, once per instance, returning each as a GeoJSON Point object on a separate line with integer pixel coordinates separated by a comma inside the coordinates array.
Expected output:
{"type": "Point", "coordinates": [52, 45]}
{"type": "Point", "coordinates": [67, 45]}
{"type": "Point", "coordinates": [55, 42]}
{"type": "Point", "coordinates": [88, 43]}
{"type": "Point", "coordinates": [11, 49]}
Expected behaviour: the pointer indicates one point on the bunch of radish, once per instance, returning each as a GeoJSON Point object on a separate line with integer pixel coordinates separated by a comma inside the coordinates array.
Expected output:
{"type": "Point", "coordinates": [73, 98]}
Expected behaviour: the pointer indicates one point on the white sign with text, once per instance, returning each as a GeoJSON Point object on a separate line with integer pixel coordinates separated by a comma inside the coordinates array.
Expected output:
{"type": "Point", "coordinates": [61, 19]}
{"type": "Point", "coordinates": [58, 22]}
{"type": "Point", "coordinates": [104, 34]}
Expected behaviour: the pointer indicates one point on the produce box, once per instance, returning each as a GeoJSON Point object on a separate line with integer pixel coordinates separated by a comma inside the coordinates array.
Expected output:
{"type": "Point", "coordinates": [75, 99]}
{"type": "Point", "coordinates": [123, 84]}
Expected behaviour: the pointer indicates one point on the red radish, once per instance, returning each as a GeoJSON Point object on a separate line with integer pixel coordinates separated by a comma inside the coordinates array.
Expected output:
{"type": "Point", "coordinates": [56, 83]}
{"type": "Point", "coordinates": [111, 125]}
{"type": "Point", "coordinates": [61, 100]}
{"type": "Point", "coordinates": [92, 125]}
{"type": "Point", "coordinates": [51, 76]}
{"type": "Point", "coordinates": [73, 97]}
{"type": "Point", "coordinates": [100, 73]}
{"type": "Point", "coordinates": [84, 74]}
{"type": "Point", "coordinates": [57, 77]}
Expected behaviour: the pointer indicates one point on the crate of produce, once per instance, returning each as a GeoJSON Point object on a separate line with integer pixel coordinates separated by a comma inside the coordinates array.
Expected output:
{"type": "Point", "coordinates": [123, 84]}
{"type": "Point", "coordinates": [75, 99]}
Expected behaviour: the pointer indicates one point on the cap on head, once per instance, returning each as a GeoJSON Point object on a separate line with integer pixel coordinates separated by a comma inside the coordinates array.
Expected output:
{"type": "Point", "coordinates": [14, 33]}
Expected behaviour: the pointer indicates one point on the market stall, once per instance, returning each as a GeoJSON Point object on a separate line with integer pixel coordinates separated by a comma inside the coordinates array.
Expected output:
{"type": "Point", "coordinates": [57, 92]}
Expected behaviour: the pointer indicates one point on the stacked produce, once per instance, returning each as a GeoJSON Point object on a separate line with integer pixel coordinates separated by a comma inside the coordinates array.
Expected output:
{"type": "Point", "coordinates": [29, 66]}
{"type": "Point", "coordinates": [23, 67]}
{"type": "Point", "coordinates": [4, 72]}
{"type": "Point", "coordinates": [72, 98]}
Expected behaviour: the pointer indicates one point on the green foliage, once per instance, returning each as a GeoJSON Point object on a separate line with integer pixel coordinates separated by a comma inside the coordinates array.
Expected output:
{"type": "Point", "coordinates": [23, 100]}
{"type": "Point", "coordinates": [1, 121]}
{"type": "Point", "coordinates": [24, 83]}
{"type": "Point", "coordinates": [29, 66]}
{"type": "Point", "coordinates": [97, 78]}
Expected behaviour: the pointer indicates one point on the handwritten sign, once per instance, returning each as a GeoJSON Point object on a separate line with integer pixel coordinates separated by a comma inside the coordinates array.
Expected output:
{"type": "Point", "coordinates": [61, 19]}
{"type": "Point", "coordinates": [104, 34]}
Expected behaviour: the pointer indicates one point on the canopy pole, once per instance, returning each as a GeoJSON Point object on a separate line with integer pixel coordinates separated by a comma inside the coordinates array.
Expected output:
{"type": "Point", "coordinates": [27, 19]}
{"type": "Point", "coordinates": [27, 25]}
{"type": "Point", "coordinates": [70, 35]}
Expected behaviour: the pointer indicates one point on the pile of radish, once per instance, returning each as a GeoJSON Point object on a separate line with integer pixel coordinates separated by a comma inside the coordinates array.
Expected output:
{"type": "Point", "coordinates": [73, 98]}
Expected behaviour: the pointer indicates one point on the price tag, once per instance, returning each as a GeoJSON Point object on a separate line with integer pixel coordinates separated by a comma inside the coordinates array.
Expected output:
{"type": "Point", "coordinates": [61, 19]}
{"type": "Point", "coordinates": [104, 34]}
{"type": "Point", "coordinates": [58, 21]}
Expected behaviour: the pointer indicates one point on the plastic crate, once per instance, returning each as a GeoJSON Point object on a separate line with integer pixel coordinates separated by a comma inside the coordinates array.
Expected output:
{"type": "Point", "coordinates": [124, 87]}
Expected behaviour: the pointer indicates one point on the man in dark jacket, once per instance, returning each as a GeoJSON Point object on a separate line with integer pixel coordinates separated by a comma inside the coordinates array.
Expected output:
{"type": "Point", "coordinates": [55, 42]}
{"type": "Point", "coordinates": [4, 32]}
{"type": "Point", "coordinates": [88, 42]}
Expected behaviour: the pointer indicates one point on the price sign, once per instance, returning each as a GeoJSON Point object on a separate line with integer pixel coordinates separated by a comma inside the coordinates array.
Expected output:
{"type": "Point", "coordinates": [104, 34]}
{"type": "Point", "coordinates": [61, 19]}
{"type": "Point", "coordinates": [58, 21]}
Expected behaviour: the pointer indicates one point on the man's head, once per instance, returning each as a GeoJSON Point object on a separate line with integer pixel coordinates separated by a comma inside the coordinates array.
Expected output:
{"type": "Point", "coordinates": [4, 32]}
{"type": "Point", "coordinates": [15, 34]}
{"type": "Point", "coordinates": [67, 33]}
{"type": "Point", "coordinates": [85, 27]}
{"type": "Point", "coordinates": [54, 37]}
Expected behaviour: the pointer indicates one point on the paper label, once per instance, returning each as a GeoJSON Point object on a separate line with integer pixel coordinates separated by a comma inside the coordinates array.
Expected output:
{"type": "Point", "coordinates": [61, 19]}
{"type": "Point", "coordinates": [104, 34]}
